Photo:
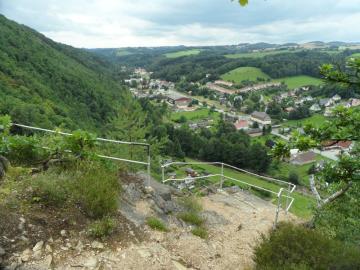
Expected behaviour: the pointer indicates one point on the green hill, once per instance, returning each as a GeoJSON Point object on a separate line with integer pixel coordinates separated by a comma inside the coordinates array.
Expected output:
{"type": "Point", "coordinates": [298, 81]}
{"type": "Point", "coordinates": [49, 84]}
{"type": "Point", "coordinates": [182, 53]}
{"type": "Point", "coordinates": [244, 73]}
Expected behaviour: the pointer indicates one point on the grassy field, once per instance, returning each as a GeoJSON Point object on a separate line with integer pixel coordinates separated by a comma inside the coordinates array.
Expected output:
{"type": "Point", "coordinates": [256, 54]}
{"type": "Point", "coordinates": [355, 55]}
{"type": "Point", "coordinates": [298, 81]}
{"type": "Point", "coordinates": [317, 120]}
{"type": "Point", "coordinates": [244, 73]}
{"type": "Point", "coordinates": [122, 52]}
{"type": "Point", "coordinates": [182, 53]}
{"type": "Point", "coordinates": [302, 206]}
{"type": "Point", "coordinates": [195, 115]}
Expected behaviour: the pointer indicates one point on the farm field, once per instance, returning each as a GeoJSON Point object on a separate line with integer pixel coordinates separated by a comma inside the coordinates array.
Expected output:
{"type": "Point", "coordinates": [317, 120]}
{"type": "Point", "coordinates": [244, 73]}
{"type": "Point", "coordinates": [302, 206]}
{"type": "Point", "coordinates": [122, 52]}
{"type": "Point", "coordinates": [195, 115]}
{"type": "Point", "coordinates": [257, 54]}
{"type": "Point", "coordinates": [298, 81]}
{"type": "Point", "coordinates": [183, 53]}
{"type": "Point", "coordinates": [355, 55]}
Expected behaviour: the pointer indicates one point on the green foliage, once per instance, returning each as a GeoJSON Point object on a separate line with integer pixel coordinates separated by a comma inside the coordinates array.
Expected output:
{"type": "Point", "coordinates": [97, 189]}
{"type": "Point", "coordinates": [5, 124]}
{"type": "Point", "coordinates": [23, 149]}
{"type": "Point", "coordinates": [51, 188]}
{"type": "Point", "coordinates": [48, 84]}
{"type": "Point", "coordinates": [341, 219]}
{"type": "Point", "coordinates": [191, 204]}
{"type": "Point", "coordinates": [156, 224]}
{"type": "Point", "coordinates": [192, 213]}
{"type": "Point", "coordinates": [200, 232]}
{"type": "Point", "coordinates": [281, 150]}
{"type": "Point", "coordinates": [296, 247]}
{"type": "Point", "coordinates": [191, 218]}
{"type": "Point", "coordinates": [294, 178]}
{"type": "Point", "coordinates": [80, 143]}
{"type": "Point", "coordinates": [102, 228]}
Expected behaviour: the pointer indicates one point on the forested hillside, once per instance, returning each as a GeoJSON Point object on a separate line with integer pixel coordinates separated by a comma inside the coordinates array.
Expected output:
{"type": "Point", "coordinates": [49, 84]}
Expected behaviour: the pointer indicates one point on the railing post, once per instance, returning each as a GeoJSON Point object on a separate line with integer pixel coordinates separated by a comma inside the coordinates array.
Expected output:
{"type": "Point", "coordinates": [278, 208]}
{"type": "Point", "coordinates": [149, 166]}
{"type": "Point", "coordinates": [163, 173]}
{"type": "Point", "coordinates": [287, 198]}
{"type": "Point", "coordinates": [222, 176]}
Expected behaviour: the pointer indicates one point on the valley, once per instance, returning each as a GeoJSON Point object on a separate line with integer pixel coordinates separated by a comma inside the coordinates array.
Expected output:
{"type": "Point", "coordinates": [241, 156]}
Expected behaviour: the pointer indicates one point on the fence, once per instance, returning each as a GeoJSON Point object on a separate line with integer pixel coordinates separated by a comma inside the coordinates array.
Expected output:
{"type": "Point", "coordinates": [279, 194]}
{"type": "Point", "coordinates": [145, 145]}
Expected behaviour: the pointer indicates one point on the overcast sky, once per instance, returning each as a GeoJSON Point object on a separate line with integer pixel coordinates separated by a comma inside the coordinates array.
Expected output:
{"type": "Point", "coordinates": [121, 23]}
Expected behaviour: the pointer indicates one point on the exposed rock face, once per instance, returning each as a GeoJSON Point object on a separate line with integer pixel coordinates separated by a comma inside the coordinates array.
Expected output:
{"type": "Point", "coordinates": [234, 222]}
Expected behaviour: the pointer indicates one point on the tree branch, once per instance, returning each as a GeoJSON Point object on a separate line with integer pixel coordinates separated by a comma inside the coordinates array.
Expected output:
{"type": "Point", "coordinates": [337, 194]}
{"type": "Point", "coordinates": [321, 202]}
{"type": "Point", "coordinates": [314, 190]}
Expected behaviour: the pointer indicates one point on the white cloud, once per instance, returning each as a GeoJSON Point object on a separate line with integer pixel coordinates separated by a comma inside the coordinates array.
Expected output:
{"type": "Point", "coordinates": [120, 23]}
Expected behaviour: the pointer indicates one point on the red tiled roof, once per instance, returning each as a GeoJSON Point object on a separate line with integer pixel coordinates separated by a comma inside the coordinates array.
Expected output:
{"type": "Point", "coordinates": [241, 124]}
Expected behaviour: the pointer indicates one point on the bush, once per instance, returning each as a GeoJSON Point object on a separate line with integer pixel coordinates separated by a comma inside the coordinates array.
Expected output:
{"type": "Point", "coordinates": [101, 228]}
{"type": "Point", "coordinates": [90, 184]}
{"type": "Point", "coordinates": [191, 204]}
{"type": "Point", "coordinates": [200, 232]}
{"type": "Point", "coordinates": [51, 189]}
{"type": "Point", "coordinates": [191, 218]}
{"type": "Point", "coordinates": [296, 247]}
{"type": "Point", "coordinates": [156, 224]}
{"type": "Point", "coordinates": [97, 188]}
{"type": "Point", "coordinates": [293, 178]}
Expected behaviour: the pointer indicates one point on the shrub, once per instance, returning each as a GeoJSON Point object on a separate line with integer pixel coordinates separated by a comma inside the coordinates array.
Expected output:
{"type": "Point", "coordinates": [293, 178]}
{"type": "Point", "coordinates": [296, 247]}
{"type": "Point", "coordinates": [191, 204]}
{"type": "Point", "coordinates": [97, 188]}
{"type": "Point", "coordinates": [102, 228]}
{"type": "Point", "coordinates": [192, 218]}
{"type": "Point", "coordinates": [50, 189]}
{"type": "Point", "coordinates": [200, 232]}
{"type": "Point", "coordinates": [156, 224]}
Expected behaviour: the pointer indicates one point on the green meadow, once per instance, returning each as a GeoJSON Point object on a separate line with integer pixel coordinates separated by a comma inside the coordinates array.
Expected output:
{"type": "Point", "coordinates": [183, 53]}
{"type": "Point", "coordinates": [244, 73]}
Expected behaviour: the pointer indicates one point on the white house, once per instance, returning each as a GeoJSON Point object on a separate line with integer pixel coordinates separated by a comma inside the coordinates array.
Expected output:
{"type": "Point", "coordinates": [315, 108]}
{"type": "Point", "coordinates": [261, 118]}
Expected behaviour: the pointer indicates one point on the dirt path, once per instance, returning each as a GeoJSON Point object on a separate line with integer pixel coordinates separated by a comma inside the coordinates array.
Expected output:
{"type": "Point", "coordinates": [235, 223]}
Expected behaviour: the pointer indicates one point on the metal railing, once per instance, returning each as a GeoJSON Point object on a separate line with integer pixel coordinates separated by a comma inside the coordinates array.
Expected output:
{"type": "Point", "coordinates": [279, 194]}
{"type": "Point", "coordinates": [145, 145]}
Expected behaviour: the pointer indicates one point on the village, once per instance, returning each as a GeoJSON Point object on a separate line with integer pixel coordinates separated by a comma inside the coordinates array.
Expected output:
{"type": "Point", "coordinates": [255, 123]}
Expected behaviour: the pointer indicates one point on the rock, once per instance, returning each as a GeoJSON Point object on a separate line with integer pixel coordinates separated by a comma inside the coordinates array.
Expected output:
{"type": "Point", "coordinates": [51, 240]}
{"type": "Point", "coordinates": [80, 246]}
{"type": "Point", "coordinates": [97, 245]}
{"type": "Point", "coordinates": [39, 245]}
{"type": "Point", "coordinates": [2, 252]}
{"type": "Point", "coordinates": [91, 262]}
{"type": "Point", "coordinates": [48, 248]}
{"type": "Point", "coordinates": [37, 254]}
{"type": "Point", "coordinates": [132, 193]}
{"type": "Point", "coordinates": [63, 233]}
{"type": "Point", "coordinates": [144, 253]}
{"type": "Point", "coordinates": [25, 256]}
{"type": "Point", "coordinates": [179, 266]}
{"type": "Point", "coordinates": [149, 190]}
{"type": "Point", "coordinates": [48, 261]}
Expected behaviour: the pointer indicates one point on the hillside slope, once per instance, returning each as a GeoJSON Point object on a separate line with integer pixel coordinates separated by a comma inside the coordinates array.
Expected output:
{"type": "Point", "coordinates": [50, 84]}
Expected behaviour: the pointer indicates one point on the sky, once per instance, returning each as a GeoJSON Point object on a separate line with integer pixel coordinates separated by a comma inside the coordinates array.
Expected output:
{"type": "Point", "coordinates": [133, 23]}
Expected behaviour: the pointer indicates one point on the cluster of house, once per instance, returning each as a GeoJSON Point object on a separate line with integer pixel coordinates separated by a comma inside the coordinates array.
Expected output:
{"type": "Point", "coordinates": [329, 103]}
{"type": "Point", "coordinates": [261, 119]}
